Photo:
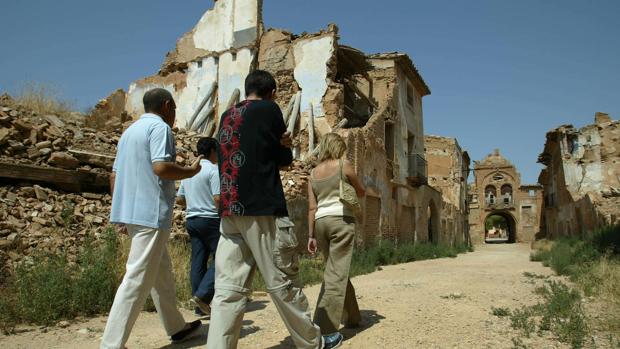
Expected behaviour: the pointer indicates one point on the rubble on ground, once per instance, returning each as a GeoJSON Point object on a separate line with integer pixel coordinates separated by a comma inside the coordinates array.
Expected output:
{"type": "Point", "coordinates": [295, 179]}
{"type": "Point", "coordinates": [40, 217]}
{"type": "Point", "coordinates": [52, 141]}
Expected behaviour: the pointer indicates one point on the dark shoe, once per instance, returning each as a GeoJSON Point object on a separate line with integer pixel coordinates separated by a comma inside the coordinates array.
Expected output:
{"type": "Point", "coordinates": [198, 312]}
{"type": "Point", "coordinates": [190, 330]}
{"type": "Point", "coordinates": [332, 341]}
{"type": "Point", "coordinates": [200, 304]}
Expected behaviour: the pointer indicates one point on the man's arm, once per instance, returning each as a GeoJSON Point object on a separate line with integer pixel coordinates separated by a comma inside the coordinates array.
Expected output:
{"type": "Point", "coordinates": [214, 185]}
{"type": "Point", "coordinates": [161, 143]}
{"type": "Point", "coordinates": [284, 154]}
{"type": "Point", "coordinates": [173, 171]}
{"type": "Point", "coordinates": [216, 200]}
{"type": "Point", "coordinates": [112, 179]}
{"type": "Point", "coordinates": [312, 208]}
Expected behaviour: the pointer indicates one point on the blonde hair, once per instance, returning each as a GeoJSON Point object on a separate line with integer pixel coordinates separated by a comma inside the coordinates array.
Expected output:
{"type": "Point", "coordinates": [332, 147]}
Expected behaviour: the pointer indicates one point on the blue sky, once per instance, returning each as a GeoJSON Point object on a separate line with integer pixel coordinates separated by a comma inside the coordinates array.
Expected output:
{"type": "Point", "coordinates": [501, 72]}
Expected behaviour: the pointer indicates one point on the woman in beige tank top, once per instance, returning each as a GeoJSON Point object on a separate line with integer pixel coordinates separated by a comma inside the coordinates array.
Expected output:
{"type": "Point", "coordinates": [332, 229]}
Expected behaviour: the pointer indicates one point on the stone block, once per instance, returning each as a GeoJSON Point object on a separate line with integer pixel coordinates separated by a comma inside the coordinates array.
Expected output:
{"type": "Point", "coordinates": [64, 160]}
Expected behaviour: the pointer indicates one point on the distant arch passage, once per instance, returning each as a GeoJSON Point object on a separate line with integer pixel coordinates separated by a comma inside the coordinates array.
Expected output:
{"type": "Point", "coordinates": [500, 227]}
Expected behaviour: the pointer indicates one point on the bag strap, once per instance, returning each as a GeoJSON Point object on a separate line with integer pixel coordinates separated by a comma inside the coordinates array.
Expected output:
{"type": "Point", "coordinates": [341, 175]}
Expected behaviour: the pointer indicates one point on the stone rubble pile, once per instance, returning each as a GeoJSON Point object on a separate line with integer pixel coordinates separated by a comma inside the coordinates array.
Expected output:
{"type": "Point", "coordinates": [37, 218]}
{"type": "Point", "coordinates": [295, 180]}
{"type": "Point", "coordinates": [52, 141]}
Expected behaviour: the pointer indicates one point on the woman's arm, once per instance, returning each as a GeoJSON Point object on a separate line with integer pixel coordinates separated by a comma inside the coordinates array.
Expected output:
{"type": "Point", "coordinates": [312, 207]}
{"type": "Point", "coordinates": [355, 181]}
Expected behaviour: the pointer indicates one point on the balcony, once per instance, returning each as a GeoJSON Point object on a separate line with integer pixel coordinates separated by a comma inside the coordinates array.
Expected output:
{"type": "Point", "coordinates": [504, 203]}
{"type": "Point", "coordinates": [416, 174]}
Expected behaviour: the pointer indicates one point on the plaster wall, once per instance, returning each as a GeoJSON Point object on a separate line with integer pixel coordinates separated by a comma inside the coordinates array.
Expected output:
{"type": "Point", "coordinates": [232, 71]}
{"type": "Point", "coordinates": [199, 77]}
{"type": "Point", "coordinates": [311, 60]}
{"type": "Point", "coordinates": [229, 24]}
{"type": "Point", "coordinates": [136, 91]}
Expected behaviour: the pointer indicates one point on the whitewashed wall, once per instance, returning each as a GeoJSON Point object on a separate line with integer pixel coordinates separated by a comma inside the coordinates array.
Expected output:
{"type": "Point", "coordinates": [232, 25]}
{"type": "Point", "coordinates": [311, 58]}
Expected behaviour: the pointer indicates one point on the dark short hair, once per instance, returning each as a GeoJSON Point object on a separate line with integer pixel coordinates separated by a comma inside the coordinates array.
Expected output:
{"type": "Point", "coordinates": [154, 99]}
{"type": "Point", "coordinates": [260, 83]}
{"type": "Point", "coordinates": [206, 145]}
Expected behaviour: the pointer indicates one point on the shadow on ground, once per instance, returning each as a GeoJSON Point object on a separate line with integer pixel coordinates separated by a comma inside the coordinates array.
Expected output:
{"type": "Point", "coordinates": [369, 319]}
{"type": "Point", "coordinates": [256, 305]}
{"type": "Point", "coordinates": [200, 340]}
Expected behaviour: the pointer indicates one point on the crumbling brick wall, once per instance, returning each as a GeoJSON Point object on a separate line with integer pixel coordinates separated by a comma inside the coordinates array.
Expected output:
{"type": "Point", "coordinates": [581, 181]}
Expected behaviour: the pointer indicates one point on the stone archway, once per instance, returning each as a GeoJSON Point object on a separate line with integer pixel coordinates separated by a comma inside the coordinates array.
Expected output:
{"type": "Point", "coordinates": [434, 222]}
{"type": "Point", "coordinates": [500, 226]}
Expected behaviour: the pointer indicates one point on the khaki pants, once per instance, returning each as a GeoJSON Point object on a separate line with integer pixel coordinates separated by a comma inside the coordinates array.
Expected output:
{"type": "Point", "coordinates": [148, 269]}
{"type": "Point", "coordinates": [247, 243]}
{"type": "Point", "coordinates": [337, 303]}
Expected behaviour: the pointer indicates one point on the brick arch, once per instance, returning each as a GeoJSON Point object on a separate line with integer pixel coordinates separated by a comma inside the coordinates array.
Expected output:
{"type": "Point", "coordinates": [511, 220]}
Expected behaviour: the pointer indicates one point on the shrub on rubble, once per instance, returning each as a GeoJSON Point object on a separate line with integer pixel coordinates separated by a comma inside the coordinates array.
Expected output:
{"type": "Point", "coordinates": [46, 288]}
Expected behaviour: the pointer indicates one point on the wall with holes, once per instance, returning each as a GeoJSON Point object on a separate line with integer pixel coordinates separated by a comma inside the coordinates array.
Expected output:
{"type": "Point", "coordinates": [222, 49]}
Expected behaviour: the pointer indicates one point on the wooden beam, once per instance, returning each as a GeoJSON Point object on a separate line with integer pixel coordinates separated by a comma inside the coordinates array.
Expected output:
{"type": "Point", "coordinates": [72, 179]}
{"type": "Point", "coordinates": [95, 159]}
{"type": "Point", "coordinates": [289, 109]}
{"type": "Point", "coordinates": [359, 92]}
{"type": "Point", "coordinates": [210, 92]}
{"type": "Point", "coordinates": [200, 121]}
{"type": "Point", "coordinates": [311, 129]}
{"type": "Point", "coordinates": [234, 99]}
{"type": "Point", "coordinates": [295, 114]}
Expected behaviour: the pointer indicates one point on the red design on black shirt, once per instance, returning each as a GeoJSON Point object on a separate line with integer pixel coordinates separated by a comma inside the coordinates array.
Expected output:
{"type": "Point", "coordinates": [232, 160]}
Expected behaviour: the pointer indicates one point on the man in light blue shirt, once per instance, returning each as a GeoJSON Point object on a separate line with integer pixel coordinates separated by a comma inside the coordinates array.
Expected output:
{"type": "Point", "coordinates": [201, 196]}
{"type": "Point", "coordinates": [142, 185]}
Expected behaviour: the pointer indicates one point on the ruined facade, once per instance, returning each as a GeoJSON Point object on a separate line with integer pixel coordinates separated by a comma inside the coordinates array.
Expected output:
{"type": "Point", "coordinates": [498, 195]}
{"type": "Point", "coordinates": [373, 101]}
{"type": "Point", "coordinates": [448, 170]}
{"type": "Point", "coordinates": [582, 178]}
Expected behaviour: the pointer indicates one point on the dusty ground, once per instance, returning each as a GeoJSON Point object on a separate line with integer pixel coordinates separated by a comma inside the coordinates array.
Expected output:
{"type": "Point", "coordinates": [443, 303]}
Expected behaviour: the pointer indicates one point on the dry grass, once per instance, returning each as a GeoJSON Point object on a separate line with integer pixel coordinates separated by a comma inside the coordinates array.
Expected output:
{"type": "Point", "coordinates": [593, 264]}
{"type": "Point", "coordinates": [542, 245]}
{"type": "Point", "coordinates": [180, 255]}
{"type": "Point", "coordinates": [602, 279]}
{"type": "Point", "coordinates": [43, 99]}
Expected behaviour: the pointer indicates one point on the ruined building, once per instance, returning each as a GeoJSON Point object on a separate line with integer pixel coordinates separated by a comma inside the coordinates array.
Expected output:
{"type": "Point", "coordinates": [374, 101]}
{"type": "Point", "coordinates": [582, 178]}
{"type": "Point", "coordinates": [500, 207]}
{"type": "Point", "coordinates": [448, 170]}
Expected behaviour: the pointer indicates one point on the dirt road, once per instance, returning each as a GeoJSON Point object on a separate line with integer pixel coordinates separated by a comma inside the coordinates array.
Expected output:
{"type": "Point", "coordinates": [444, 303]}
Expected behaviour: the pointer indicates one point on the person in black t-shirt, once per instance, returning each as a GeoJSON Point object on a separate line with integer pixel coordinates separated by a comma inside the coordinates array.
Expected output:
{"type": "Point", "coordinates": [253, 145]}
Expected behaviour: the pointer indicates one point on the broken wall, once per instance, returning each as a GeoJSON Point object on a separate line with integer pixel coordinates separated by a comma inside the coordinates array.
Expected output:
{"type": "Point", "coordinates": [447, 171]}
{"type": "Point", "coordinates": [375, 102]}
{"type": "Point", "coordinates": [220, 49]}
{"type": "Point", "coordinates": [305, 63]}
{"type": "Point", "coordinates": [582, 177]}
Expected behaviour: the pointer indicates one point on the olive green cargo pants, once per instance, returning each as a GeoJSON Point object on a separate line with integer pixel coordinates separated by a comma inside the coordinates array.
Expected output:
{"type": "Point", "coordinates": [337, 303]}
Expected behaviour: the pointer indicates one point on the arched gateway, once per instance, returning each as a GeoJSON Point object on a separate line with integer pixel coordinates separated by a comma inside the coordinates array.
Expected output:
{"type": "Point", "coordinates": [500, 226]}
{"type": "Point", "coordinates": [501, 209]}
